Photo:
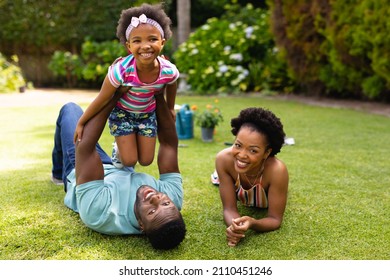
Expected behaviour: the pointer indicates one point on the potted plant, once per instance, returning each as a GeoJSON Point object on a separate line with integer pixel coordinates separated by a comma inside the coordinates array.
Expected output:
{"type": "Point", "coordinates": [207, 119]}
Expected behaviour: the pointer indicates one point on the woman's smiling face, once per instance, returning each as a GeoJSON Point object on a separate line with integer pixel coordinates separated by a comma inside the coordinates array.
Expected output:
{"type": "Point", "coordinates": [249, 150]}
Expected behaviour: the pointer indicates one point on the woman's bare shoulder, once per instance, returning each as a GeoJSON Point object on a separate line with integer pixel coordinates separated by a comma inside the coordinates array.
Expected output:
{"type": "Point", "coordinates": [224, 154]}
{"type": "Point", "coordinates": [276, 164]}
{"type": "Point", "coordinates": [275, 173]}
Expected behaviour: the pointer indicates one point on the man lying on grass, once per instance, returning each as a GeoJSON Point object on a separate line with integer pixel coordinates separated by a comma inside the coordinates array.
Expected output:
{"type": "Point", "coordinates": [120, 201]}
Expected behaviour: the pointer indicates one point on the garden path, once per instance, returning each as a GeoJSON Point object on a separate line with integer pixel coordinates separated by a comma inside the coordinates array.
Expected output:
{"type": "Point", "coordinates": [43, 97]}
{"type": "Point", "coordinates": [46, 97]}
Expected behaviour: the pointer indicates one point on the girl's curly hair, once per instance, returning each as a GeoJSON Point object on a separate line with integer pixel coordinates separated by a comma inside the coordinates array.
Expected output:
{"type": "Point", "coordinates": [155, 12]}
{"type": "Point", "coordinates": [263, 121]}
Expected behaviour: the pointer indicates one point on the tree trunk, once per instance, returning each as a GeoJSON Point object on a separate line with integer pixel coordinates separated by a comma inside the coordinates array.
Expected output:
{"type": "Point", "coordinates": [183, 10]}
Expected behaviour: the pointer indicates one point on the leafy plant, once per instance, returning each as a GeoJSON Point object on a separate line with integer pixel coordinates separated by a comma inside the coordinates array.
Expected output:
{"type": "Point", "coordinates": [91, 65]}
{"type": "Point", "coordinates": [208, 118]}
{"type": "Point", "coordinates": [335, 48]}
{"type": "Point", "coordinates": [67, 65]}
{"type": "Point", "coordinates": [97, 57]}
{"type": "Point", "coordinates": [11, 77]}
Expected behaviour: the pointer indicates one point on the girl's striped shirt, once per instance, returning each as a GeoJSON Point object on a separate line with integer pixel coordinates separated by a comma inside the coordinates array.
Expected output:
{"type": "Point", "coordinates": [140, 97]}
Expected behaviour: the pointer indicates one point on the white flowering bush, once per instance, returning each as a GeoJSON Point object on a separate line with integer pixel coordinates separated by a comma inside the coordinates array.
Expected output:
{"type": "Point", "coordinates": [230, 56]}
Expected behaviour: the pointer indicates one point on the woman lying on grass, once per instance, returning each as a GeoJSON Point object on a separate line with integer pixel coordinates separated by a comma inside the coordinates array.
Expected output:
{"type": "Point", "coordinates": [249, 172]}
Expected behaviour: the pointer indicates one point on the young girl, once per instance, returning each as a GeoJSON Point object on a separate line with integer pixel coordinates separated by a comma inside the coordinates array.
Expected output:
{"type": "Point", "coordinates": [143, 30]}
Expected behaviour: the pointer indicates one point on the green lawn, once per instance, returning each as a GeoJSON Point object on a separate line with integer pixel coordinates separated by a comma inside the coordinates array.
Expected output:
{"type": "Point", "coordinates": [338, 206]}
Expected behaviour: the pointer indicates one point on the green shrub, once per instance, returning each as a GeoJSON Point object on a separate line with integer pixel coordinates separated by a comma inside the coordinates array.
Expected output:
{"type": "Point", "coordinates": [337, 48]}
{"type": "Point", "coordinates": [346, 46]}
{"type": "Point", "coordinates": [97, 57]}
{"type": "Point", "coordinates": [373, 86]}
{"type": "Point", "coordinates": [67, 65]}
{"type": "Point", "coordinates": [90, 66]}
{"type": "Point", "coordinates": [217, 57]}
{"type": "Point", "coordinates": [11, 77]}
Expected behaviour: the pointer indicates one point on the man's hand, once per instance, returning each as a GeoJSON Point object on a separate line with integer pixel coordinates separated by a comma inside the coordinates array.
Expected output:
{"type": "Point", "coordinates": [122, 89]}
{"type": "Point", "coordinates": [173, 113]}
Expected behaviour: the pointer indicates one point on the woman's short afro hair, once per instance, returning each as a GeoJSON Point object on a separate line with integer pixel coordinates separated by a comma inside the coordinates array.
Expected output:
{"type": "Point", "coordinates": [263, 121]}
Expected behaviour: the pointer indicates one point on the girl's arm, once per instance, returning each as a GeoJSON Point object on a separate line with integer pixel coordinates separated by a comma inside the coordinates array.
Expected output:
{"type": "Point", "coordinates": [105, 95]}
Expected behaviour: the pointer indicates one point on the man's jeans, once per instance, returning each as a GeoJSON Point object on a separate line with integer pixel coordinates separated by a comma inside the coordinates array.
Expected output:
{"type": "Point", "coordinates": [63, 155]}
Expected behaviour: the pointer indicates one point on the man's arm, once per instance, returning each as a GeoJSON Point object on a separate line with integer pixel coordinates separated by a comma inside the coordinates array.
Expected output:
{"type": "Point", "coordinates": [167, 159]}
{"type": "Point", "coordinates": [171, 91]}
{"type": "Point", "coordinates": [88, 163]}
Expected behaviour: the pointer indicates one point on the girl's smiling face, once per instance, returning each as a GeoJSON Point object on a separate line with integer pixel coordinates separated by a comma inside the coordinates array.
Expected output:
{"type": "Point", "coordinates": [145, 43]}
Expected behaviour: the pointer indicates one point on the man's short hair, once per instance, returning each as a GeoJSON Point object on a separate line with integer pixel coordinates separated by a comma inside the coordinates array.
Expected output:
{"type": "Point", "coordinates": [169, 235]}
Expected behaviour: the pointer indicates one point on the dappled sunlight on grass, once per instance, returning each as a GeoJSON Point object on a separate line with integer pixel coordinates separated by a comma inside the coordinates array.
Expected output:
{"type": "Point", "coordinates": [28, 145]}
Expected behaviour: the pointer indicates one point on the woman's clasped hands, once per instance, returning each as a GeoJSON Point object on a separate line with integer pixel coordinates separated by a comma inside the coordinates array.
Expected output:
{"type": "Point", "coordinates": [236, 231]}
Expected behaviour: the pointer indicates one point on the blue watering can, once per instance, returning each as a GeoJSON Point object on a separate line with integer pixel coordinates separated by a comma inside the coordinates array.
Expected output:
{"type": "Point", "coordinates": [185, 122]}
